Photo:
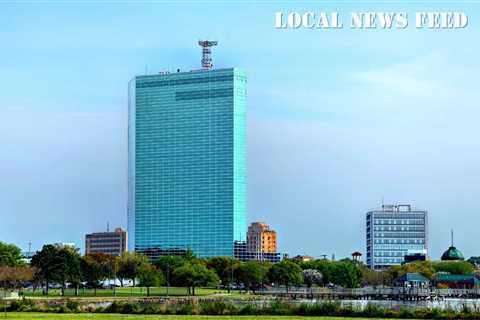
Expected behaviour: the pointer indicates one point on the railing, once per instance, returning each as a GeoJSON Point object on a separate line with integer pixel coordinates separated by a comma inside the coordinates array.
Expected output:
{"type": "Point", "coordinates": [386, 292]}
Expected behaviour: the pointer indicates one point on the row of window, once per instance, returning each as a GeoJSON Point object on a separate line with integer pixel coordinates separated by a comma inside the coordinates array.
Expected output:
{"type": "Point", "coordinates": [402, 221]}
{"type": "Point", "coordinates": [387, 260]}
{"type": "Point", "coordinates": [400, 228]}
{"type": "Point", "coordinates": [399, 241]}
{"type": "Point", "coordinates": [203, 94]}
{"type": "Point", "coordinates": [176, 82]}
{"type": "Point", "coordinates": [398, 235]}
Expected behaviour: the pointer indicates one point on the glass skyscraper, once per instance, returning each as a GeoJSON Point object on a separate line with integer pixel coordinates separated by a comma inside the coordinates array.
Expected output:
{"type": "Point", "coordinates": [187, 187]}
{"type": "Point", "coordinates": [394, 232]}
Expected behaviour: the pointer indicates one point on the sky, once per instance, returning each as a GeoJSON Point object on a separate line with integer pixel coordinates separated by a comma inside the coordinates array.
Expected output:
{"type": "Point", "coordinates": [337, 119]}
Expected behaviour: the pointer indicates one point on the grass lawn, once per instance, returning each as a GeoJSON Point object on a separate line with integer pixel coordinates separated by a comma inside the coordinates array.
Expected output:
{"type": "Point", "coordinates": [124, 292]}
{"type": "Point", "coordinates": [53, 316]}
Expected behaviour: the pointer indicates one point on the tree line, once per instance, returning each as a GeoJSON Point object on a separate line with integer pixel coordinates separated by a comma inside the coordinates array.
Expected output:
{"type": "Point", "coordinates": [65, 267]}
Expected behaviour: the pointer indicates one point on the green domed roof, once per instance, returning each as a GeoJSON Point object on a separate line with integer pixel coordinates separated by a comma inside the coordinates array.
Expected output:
{"type": "Point", "coordinates": [452, 254]}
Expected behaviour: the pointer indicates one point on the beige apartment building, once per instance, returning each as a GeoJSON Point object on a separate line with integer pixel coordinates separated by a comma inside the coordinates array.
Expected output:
{"type": "Point", "coordinates": [261, 239]}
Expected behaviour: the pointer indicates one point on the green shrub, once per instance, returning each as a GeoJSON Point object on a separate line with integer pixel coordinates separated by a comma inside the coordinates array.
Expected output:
{"type": "Point", "coordinates": [62, 309]}
{"type": "Point", "coordinates": [405, 313]}
{"type": "Point", "coordinates": [218, 308]}
{"type": "Point", "coordinates": [24, 305]}
{"type": "Point", "coordinates": [278, 308]}
{"type": "Point", "coordinates": [151, 308]}
{"type": "Point", "coordinates": [184, 309]}
{"type": "Point", "coordinates": [73, 306]}
{"type": "Point", "coordinates": [114, 307]}
{"type": "Point", "coordinates": [329, 308]}
{"type": "Point", "coordinates": [373, 311]}
{"type": "Point", "coordinates": [249, 310]}
{"type": "Point", "coordinates": [131, 308]}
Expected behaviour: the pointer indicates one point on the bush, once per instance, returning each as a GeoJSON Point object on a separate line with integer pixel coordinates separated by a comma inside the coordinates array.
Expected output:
{"type": "Point", "coordinates": [249, 310]}
{"type": "Point", "coordinates": [131, 308]}
{"type": "Point", "coordinates": [279, 308]}
{"type": "Point", "coordinates": [73, 306]}
{"type": "Point", "coordinates": [151, 308]}
{"type": "Point", "coordinates": [373, 311]}
{"type": "Point", "coordinates": [275, 308]}
{"type": "Point", "coordinates": [329, 308]}
{"type": "Point", "coordinates": [184, 309]}
{"type": "Point", "coordinates": [24, 305]}
{"type": "Point", "coordinates": [218, 308]}
{"type": "Point", "coordinates": [114, 307]}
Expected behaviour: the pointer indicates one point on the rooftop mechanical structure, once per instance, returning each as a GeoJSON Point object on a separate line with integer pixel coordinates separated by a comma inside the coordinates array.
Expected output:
{"type": "Point", "coordinates": [207, 53]}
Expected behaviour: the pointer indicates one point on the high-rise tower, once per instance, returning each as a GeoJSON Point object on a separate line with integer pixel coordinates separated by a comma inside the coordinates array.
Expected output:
{"type": "Point", "coordinates": [187, 161]}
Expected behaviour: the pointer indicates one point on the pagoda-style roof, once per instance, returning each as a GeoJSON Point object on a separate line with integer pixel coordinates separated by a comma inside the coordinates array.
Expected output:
{"type": "Point", "coordinates": [412, 277]}
{"type": "Point", "coordinates": [459, 278]}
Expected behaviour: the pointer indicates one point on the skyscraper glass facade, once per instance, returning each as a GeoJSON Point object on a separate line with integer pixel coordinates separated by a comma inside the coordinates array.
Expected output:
{"type": "Point", "coordinates": [187, 161]}
{"type": "Point", "coordinates": [394, 232]}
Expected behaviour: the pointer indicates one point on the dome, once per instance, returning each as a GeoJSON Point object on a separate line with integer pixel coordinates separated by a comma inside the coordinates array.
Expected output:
{"type": "Point", "coordinates": [452, 254]}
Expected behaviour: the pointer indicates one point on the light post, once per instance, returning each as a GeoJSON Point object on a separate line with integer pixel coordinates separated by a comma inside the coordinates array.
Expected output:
{"type": "Point", "coordinates": [115, 277]}
{"type": "Point", "coordinates": [168, 277]}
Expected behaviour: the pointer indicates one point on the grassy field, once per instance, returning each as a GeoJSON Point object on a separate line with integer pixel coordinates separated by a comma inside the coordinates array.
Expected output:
{"type": "Point", "coordinates": [52, 316]}
{"type": "Point", "coordinates": [125, 292]}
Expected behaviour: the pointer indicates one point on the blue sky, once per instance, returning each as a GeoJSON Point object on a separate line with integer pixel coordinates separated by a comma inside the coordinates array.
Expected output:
{"type": "Point", "coordinates": [337, 119]}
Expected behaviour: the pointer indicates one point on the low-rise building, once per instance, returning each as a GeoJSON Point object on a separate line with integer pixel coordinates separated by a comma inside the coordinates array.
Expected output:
{"type": "Point", "coordinates": [303, 258]}
{"type": "Point", "coordinates": [114, 243]}
{"type": "Point", "coordinates": [412, 280]}
{"type": "Point", "coordinates": [456, 281]}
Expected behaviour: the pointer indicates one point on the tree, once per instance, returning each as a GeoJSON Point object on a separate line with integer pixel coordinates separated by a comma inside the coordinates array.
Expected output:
{"type": "Point", "coordinates": [96, 267]}
{"type": "Point", "coordinates": [346, 274]}
{"type": "Point", "coordinates": [426, 268]}
{"type": "Point", "coordinates": [195, 275]}
{"type": "Point", "coordinates": [251, 274]}
{"type": "Point", "coordinates": [69, 267]}
{"type": "Point", "coordinates": [169, 263]}
{"type": "Point", "coordinates": [150, 276]}
{"type": "Point", "coordinates": [15, 277]}
{"type": "Point", "coordinates": [311, 277]}
{"type": "Point", "coordinates": [10, 255]}
{"type": "Point", "coordinates": [454, 267]}
{"type": "Point", "coordinates": [287, 273]}
{"type": "Point", "coordinates": [324, 266]}
{"type": "Point", "coordinates": [223, 267]}
{"type": "Point", "coordinates": [48, 264]}
{"type": "Point", "coordinates": [57, 263]}
{"type": "Point", "coordinates": [129, 264]}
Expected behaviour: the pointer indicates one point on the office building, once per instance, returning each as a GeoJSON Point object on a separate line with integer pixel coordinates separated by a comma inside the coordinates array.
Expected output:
{"type": "Point", "coordinates": [260, 238]}
{"type": "Point", "coordinates": [393, 232]}
{"type": "Point", "coordinates": [187, 160]}
{"type": "Point", "coordinates": [114, 243]}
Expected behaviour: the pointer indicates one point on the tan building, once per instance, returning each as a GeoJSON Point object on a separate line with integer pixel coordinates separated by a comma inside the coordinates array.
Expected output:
{"type": "Point", "coordinates": [304, 258]}
{"type": "Point", "coordinates": [261, 239]}
{"type": "Point", "coordinates": [114, 243]}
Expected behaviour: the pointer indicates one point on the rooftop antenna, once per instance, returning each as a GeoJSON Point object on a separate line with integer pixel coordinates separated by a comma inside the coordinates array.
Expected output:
{"type": "Point", "coordinates": [108, 226]}
{"type": "Point", "coordinates": [207, 53]}
{"type": "Point", "coordinates": [452, 236]}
